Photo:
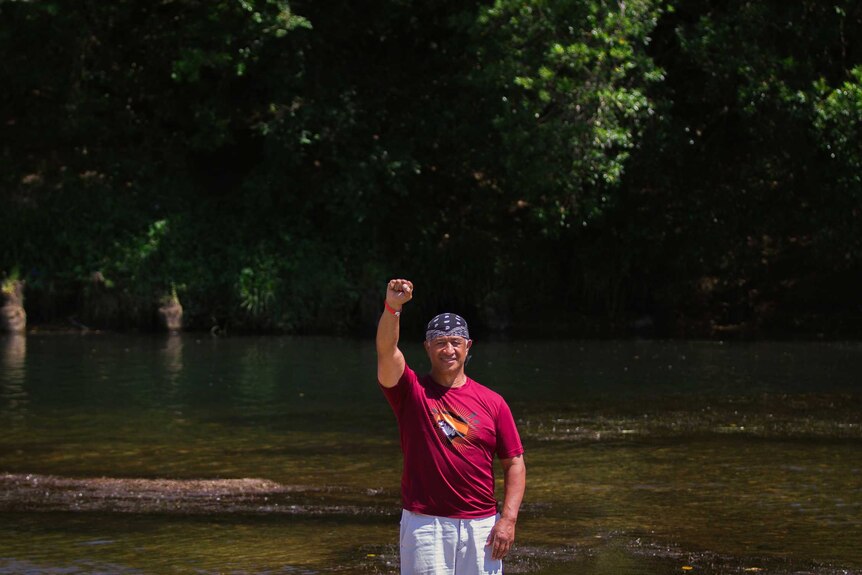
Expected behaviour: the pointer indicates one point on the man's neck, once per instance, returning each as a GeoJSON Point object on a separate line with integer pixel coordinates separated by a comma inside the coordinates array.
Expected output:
{"type": "Point", "coordinates": [449, 380]}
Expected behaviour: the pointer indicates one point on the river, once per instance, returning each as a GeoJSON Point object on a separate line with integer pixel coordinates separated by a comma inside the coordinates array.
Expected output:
{"type": "Point", "coordinates": [268, 455]}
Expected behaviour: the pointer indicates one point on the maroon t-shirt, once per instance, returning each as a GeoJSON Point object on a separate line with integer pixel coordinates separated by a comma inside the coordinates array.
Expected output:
{"type": "Point", "coordinates": [449, 437]}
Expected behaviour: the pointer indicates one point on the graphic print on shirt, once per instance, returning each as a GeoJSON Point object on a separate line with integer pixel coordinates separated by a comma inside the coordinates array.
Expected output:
{"type": "Point", "coordinates": [456, 427]}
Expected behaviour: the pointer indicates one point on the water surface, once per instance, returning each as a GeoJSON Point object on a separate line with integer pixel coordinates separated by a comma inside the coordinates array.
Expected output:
{"type": "Point", "coordinates": [643, 457]}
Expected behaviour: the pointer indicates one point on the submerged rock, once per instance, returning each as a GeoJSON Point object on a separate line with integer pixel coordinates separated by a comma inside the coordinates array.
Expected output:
{"type": "Point", "coordinates": [31, 492]}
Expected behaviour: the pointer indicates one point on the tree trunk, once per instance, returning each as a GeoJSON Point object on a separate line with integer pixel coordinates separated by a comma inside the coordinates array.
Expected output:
{"type": "Point", "coordinates": [13, 318]}
{"type": "Point", "coordinates": [171, 315]}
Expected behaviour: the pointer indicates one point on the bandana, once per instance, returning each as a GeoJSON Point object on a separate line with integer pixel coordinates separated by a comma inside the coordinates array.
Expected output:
{"type": "Point", "coordinates": [446, 325]}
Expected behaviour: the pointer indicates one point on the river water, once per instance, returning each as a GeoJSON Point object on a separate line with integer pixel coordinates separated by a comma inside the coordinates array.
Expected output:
{"type": "Point", "coordinates": [124, 454]}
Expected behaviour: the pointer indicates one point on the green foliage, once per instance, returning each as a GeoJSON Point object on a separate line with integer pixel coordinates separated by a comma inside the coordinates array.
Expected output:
{"type": "Point", "coordinates": [838, 122]}
{"type": "Point", "coordinates": [753, 223]}
{"type": "Point", "coordinates": [7, 286]}
{"type": "Point", "coordinates": [526, 162]}
{"type": "Point", "coordinates": [573, 80]}
{"type": "Point", "coordinates": [257, 288]}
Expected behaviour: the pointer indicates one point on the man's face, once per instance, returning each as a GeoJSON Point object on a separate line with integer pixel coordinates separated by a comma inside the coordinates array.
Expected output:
{"type": "Point", "coordinates": [448, 354]}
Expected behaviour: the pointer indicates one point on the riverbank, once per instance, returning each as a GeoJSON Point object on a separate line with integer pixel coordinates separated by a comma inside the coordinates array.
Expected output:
{"type": "Point", "coordinates": [541, 325]}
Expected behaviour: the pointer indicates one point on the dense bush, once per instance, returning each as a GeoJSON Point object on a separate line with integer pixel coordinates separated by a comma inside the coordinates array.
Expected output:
{"type": "Point", "coordinates": [581, 166]}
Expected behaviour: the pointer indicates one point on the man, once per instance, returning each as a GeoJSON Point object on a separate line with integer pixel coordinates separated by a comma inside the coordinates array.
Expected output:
{"type": "Point", "coordinates": [451, 429]}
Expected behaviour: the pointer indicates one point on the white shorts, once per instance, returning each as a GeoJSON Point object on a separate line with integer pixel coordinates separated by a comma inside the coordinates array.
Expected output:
{"type": "Point", "coordinates": [432, 545]}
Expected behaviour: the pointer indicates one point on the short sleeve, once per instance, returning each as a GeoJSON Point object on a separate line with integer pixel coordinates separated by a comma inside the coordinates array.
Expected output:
{"type": "Point", "coordinates": [508, 440]}
{"type": "Point", "coordinates": [396, 394]}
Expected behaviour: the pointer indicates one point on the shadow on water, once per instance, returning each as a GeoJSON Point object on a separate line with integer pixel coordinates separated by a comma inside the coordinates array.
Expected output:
{"type": "Point", "coordinates": [126, 454]}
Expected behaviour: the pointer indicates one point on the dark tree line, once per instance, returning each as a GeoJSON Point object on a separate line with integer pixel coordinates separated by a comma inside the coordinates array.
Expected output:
{"type": "Point", "coordinates": [586, 167]}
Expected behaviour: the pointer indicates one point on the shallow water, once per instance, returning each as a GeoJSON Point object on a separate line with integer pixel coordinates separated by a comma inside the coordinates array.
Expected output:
{"type": "Point", "coordinates": [643, 457]}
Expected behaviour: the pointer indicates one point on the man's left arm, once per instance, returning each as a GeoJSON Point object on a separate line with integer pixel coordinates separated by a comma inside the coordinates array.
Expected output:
{"type": "Point", "coordinates": [515, 480]}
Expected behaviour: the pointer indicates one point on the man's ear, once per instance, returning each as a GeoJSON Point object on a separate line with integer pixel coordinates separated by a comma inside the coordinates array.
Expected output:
{"type": "Point", "coordinates": [469, 343]}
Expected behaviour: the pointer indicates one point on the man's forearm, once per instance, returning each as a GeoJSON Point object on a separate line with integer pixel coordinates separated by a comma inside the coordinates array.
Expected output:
{"type": "Point", "coordinates": [388, 333]}
{"type": "Point", "coordinates": [515, 482]}
{"type": "Point", "coordinates": [503, 533]}
{"type": "Point", "coordinates": [390, 361]}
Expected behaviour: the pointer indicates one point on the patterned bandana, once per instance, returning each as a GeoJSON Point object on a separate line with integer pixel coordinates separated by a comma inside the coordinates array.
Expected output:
{"type": "Point", "coordinates": [446, 325]}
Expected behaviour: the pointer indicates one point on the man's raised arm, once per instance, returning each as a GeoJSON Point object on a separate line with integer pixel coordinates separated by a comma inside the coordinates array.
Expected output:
{"type": "Point", "coordinates": [390, 360]}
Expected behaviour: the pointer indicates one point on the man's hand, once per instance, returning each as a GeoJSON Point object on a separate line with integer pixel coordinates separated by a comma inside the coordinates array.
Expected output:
{"type": "Point", "coordinates": [502, 536]}
{"type": "Point", "coordinates": [398, 292]}
{"type": "Point", "coordinates": [390, 360]}
{"type": "Point", "coordinates": [503, 533]}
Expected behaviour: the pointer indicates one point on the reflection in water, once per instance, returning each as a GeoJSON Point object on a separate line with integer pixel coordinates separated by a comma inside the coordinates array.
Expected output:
{"type": "Point", "coordinates": [13, 397]}
{"type": "Point", "coordinates": [257, 377]}
{"type": "Point", "coordinates": [14, 357]}
{"type": "Point", "coordinates": [173, 356]}
{"type": "Point", "coordinates": [644, 457]}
